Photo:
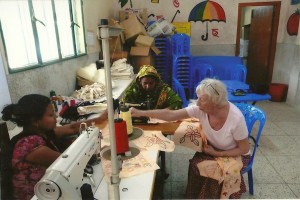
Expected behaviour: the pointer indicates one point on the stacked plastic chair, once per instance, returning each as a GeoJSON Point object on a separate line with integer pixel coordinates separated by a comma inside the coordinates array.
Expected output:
{"type": "Point", "coordinates": [163, 61]}
{"type": "Point", "coordinates": [178, 88]}
{"type": "Point", "coordinates": [182, 61]}
{"type": "Point", "coordinates": [199, 71]}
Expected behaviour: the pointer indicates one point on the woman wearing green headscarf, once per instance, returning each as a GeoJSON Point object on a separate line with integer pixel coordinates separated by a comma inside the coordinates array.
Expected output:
{"type": "Point", "coordinates": [149, 89]}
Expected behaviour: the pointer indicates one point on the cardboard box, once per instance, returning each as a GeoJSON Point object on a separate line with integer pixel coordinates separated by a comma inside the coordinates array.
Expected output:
{"type": "Point", "coordinates": [132, 27]}
{"type": "Point", "coordinates": [118, 55]}
{"type": "Point", "coordinates": [141, 13]}
{"type": "Point", "coordinates": [144, 41]}
{"type": "Point", "coordinates": [116, 43]}
{"type": "Point", "coordinates": [142, 56]}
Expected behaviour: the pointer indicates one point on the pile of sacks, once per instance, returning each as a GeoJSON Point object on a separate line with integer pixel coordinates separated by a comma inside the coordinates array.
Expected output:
{"type": "Point", "coordinates": [93, 86]}
{"type": "Point", "coordinates": [90, 92]}
{"type": "Point", "coordinates": [91, 75]}
{"type": "Point", "coordinates": [119, 70]}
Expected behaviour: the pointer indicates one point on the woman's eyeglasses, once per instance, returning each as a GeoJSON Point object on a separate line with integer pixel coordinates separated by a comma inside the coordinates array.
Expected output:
{"type": "Point", "coordinates": [209, 84]}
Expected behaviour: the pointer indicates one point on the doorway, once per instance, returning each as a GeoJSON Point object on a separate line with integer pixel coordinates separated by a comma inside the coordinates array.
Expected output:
{"type": "Point", "coordinates": [261, 32]}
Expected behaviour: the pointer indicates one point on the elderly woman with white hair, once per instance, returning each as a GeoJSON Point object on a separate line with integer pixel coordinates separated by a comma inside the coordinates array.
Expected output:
{"type": "Point", "coordinates": [226, 133]}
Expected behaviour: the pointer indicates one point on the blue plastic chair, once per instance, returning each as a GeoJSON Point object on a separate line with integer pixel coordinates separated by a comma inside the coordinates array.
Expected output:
{"type": "Point", "coordinates": [252, 114]}
{"type": "Point", "coordinates": [180, 44]}
{"type": "Point", "coordinates": [239, 73]}
{"type": "Point", "coordinates": [198, 73]}
{"type": "Point", "coordinates": [178, 88]}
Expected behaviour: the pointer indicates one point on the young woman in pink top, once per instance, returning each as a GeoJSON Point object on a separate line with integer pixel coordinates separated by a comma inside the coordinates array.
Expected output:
{"type": "Point", "coordinates": [37, 146]}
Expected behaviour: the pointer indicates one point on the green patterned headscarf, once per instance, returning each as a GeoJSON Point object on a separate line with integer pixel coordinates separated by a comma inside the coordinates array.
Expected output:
{"type": "Point", "coordinates": [147, 70]}
{"type": "Point", "coordinates": [161, 97]}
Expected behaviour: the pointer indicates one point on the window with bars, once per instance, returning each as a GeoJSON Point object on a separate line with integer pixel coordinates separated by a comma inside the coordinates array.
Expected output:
{"type": "Point", "coordinates": [40, 32]}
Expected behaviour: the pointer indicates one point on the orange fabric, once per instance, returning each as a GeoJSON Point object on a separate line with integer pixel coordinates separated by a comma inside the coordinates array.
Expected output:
{"type": "Point", "coordinates": [226, 170]}
{"type": "Point", "coordinates": [222, 169]}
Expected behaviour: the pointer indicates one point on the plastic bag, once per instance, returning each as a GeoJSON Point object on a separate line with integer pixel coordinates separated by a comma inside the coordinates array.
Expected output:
{"type": "Point", "coordinates": [160, 27]}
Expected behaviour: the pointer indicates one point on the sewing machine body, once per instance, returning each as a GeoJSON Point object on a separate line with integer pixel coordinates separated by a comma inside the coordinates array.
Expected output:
{"type": "Point", "coordinates": [64, 177]}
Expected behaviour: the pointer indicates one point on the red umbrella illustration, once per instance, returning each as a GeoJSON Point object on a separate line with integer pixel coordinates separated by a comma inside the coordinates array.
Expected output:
{"type": "Point", "coordinates": [207, 11]}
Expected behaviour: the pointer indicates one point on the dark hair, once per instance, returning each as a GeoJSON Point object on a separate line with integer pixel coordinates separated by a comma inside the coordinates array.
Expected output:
{"type": "Point", "coordinates": [29, 107]}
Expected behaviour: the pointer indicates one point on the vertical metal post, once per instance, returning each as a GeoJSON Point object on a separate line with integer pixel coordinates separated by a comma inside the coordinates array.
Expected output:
{"type": "Point", "coordinates": [113, 187]}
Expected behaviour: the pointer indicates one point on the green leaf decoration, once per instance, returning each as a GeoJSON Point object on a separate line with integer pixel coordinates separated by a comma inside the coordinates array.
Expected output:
{"type": "Point", "coordinates": [123, 2]}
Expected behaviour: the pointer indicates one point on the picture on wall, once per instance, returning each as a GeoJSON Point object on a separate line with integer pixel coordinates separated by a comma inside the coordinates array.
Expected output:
{"type": "Point", "coordinates": [207, 11]}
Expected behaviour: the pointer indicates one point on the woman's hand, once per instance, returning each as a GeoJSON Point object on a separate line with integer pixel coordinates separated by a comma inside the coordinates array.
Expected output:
{"type": "Point", "coordinates": [208, 149]}
{"type": "Point", "coordinates": [135, 112]}
{"type": "Point", "coordinates": [102, 117]}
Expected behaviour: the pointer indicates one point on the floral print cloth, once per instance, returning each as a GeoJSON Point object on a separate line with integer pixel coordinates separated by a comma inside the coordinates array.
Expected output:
{"type": "Point", "coordinates": [26, 174]}
{"type": "Point", "coordinates": [190, 135]}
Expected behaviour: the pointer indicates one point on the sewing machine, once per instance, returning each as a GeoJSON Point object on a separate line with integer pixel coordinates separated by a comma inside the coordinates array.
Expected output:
{"type": "Point", "coordinates": [64, 178]}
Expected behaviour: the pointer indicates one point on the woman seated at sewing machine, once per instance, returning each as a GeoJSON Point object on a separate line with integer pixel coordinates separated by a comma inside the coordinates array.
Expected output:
{"type": "Point", "coordinates": [150, 92]}
{"type": "Point", "coordinates": [38, 145]}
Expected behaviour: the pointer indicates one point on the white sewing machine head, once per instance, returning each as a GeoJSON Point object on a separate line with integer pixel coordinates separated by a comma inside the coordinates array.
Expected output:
{"type": "Point", "coordinates": [64, 178]}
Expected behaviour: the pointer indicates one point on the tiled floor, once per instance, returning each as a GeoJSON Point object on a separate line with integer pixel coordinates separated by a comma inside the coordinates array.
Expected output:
{"type": "Point", "coordinates": [276, 168]}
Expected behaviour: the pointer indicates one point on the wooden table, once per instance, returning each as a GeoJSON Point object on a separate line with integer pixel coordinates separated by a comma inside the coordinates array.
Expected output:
{"type": "Point", "coordinates": [167, 128]}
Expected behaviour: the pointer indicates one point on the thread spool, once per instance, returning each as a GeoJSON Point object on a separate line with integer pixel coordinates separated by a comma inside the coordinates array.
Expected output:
{"type": "Point", "coordinates": [52, 93]}
{"type": "Point", "coordinates": [122, 145]}
{"type": "Point", "coordinates": [72, 102]}
{"type": "Point", "coordinates": [54, 106]}
{"type": "Point", "coordinates": [125, 114]}
{"type": "Point", "coordinates": [59, 99]}
{"type": "Point", "coordinates": [64, 108]}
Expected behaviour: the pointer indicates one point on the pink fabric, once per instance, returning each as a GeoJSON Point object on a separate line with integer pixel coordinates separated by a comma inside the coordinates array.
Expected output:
{"type": "Point", "coordinates": [26, 174]}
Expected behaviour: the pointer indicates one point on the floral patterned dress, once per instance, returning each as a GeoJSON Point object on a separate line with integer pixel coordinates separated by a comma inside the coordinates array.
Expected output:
{"type": "Point", "coordinates": [25, 174]}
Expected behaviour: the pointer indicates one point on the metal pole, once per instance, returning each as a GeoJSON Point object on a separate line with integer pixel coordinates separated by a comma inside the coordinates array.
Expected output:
{"type": "Point", "coordinates": [113, 187]}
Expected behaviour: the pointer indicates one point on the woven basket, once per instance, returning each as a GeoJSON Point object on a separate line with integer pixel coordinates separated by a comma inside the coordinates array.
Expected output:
{"type": "Point", "coordinates": [82, 81]}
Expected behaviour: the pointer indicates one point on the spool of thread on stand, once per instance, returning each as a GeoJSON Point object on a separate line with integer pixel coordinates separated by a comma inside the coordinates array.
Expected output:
{"type": "Point", "coordinates": [125, 114]}
{"type": "Point", "coordinates": [122, 145]}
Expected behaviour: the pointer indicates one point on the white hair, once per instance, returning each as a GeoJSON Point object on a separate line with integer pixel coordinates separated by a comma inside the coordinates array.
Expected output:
{"type": "Point", "coordinates": [214, 89]}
